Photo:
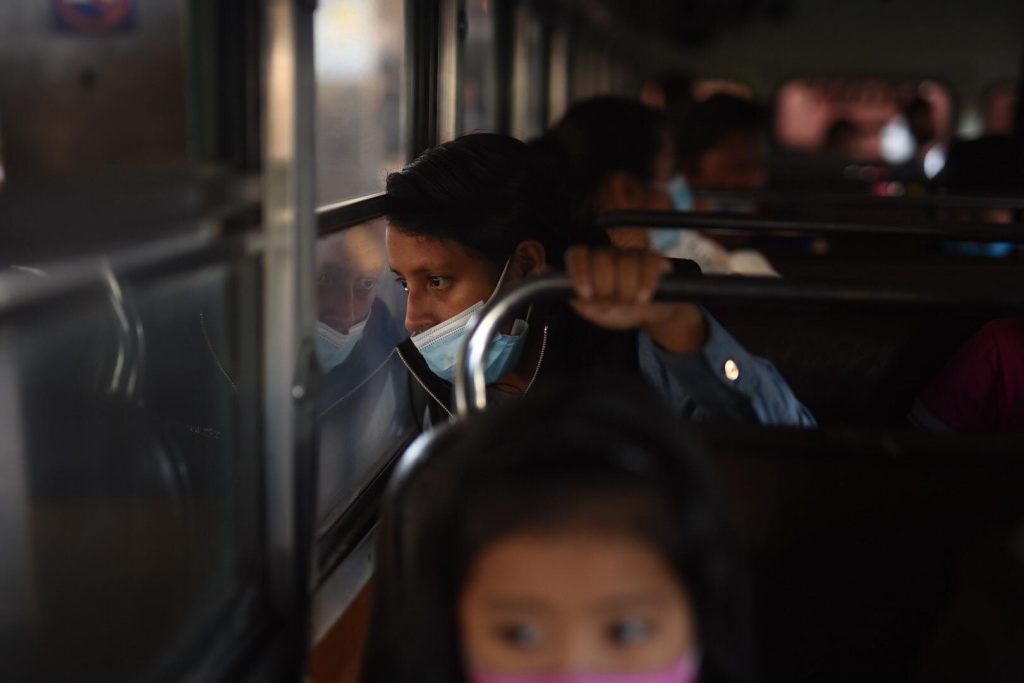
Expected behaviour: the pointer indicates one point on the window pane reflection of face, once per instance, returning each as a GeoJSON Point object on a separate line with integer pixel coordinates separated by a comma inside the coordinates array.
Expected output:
{"type": "Point", "coordinates": [349, 267]}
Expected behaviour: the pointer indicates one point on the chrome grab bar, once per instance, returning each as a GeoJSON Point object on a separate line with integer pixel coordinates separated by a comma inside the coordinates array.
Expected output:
{"type": "Point", "coordinates": [979, 297]}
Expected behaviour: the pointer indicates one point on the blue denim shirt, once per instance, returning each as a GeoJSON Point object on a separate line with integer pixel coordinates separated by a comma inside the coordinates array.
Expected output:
{"type": "Point", "coordinates": [722, 381]}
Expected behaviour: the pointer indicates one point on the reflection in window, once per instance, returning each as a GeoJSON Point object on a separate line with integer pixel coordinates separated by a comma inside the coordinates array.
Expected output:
{"type": "Point", "coordinates": [132, 454]}
{"type": "Point", "coordinates": [360, 62]}
{"type": "Point", "coordinates": [363, 412]}
{"type": "Point", "coordinates": [872, 118]}
{"type": "Point", "coordinates": [477, 98]}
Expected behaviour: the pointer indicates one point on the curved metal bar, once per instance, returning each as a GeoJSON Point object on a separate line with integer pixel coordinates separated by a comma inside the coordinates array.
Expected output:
{"type": "Point", "coordinates": [988, 297]}
{"type": "Point", "coordinates": [470, 382]}
{"type": "Point", "coordinates": [947, 230]}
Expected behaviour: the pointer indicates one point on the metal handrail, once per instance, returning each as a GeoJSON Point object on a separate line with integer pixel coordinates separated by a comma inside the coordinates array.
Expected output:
{"type": "Point", "coordinates": [987, 297]}
{"type": "Point", "coordinates": [717, 222]}
{"type": "Point", "coordinates": [337, 217]}
{"type": "Point", "coordinates": [862, 201]}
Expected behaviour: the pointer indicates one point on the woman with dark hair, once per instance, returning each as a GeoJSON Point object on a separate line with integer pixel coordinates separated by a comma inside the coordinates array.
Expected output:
{"type": "Point", "coordinates": [476, 215]}
{"type": "Point", "coordinates": [572, 536]}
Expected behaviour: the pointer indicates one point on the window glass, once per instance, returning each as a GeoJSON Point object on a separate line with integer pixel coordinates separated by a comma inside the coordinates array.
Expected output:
{"type": "Point", "coordinates": [363, 414]}
{"type": "Point", "coordinates": [360, 65]}
{"type": "Point", "coordinates": [808, 108]}
{"type": "Point", "coordinates": [477, 98]}
{"type": "Point", "coordinates": [130, 476]}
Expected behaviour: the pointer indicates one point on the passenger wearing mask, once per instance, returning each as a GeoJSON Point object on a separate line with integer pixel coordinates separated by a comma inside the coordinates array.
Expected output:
{"type": "Point", "coordinates": [724, 145]}
{"type": "Point", "coordinates": [473, 217]}
{"type": "Point", "coordinates": [618, 154]}
{"type": "Point", "coordinates": [576, 536]}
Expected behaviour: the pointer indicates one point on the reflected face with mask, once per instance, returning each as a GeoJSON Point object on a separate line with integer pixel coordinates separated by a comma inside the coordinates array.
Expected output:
{"type": "Point", "coordinates": [349, 266]}
{"type": "Point", "coordinates": [576, 607]}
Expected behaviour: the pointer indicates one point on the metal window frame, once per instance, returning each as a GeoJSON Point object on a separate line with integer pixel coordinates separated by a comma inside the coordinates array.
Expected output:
{"type": "Point", "coordinates": [289, 364]}
{"type": "Point", "coordinates": [451, 31]}
{"type": "Point", "coordinates": [863, 201]}
{"type": "Point", "coordinates": [945, 230]}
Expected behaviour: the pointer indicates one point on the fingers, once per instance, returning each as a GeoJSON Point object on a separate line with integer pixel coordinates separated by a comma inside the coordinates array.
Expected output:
{"type": "Point", "coordinates": [655, 268]}
{"type": "Point", "coordinates": [615, 276]}
{"type": "Point", "coordinates": [577, 265]}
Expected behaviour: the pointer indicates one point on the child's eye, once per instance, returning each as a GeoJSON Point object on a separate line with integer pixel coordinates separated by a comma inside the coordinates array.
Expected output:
{"type": "Point", "coordinates": [367, 283]}
{"type": "Point", "coordinates": [520, 635]}
{"type": "Point", "coordinates": [403, 283]}
{"type": "Point", "coordinates": [630, 631]}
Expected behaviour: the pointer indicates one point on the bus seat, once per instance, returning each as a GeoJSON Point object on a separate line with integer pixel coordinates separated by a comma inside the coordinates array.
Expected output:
{"type": "Point", "coordinates": [880, 556]}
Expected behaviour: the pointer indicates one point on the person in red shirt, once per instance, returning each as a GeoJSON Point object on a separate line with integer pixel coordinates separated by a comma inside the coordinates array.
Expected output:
{"type": "Point", "coordinates": [981, 389]}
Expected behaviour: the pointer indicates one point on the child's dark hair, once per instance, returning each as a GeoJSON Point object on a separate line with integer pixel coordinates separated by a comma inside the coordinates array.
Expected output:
{"type": "Point", "coordinates": [591, 455]}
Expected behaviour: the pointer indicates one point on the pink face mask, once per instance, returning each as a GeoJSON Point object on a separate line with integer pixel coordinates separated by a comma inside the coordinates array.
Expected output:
{"type": "Point", "coordinates": [683, 671]}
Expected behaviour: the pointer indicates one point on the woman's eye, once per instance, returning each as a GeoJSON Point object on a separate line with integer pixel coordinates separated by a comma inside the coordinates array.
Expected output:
{"type": "Point", "coordinates": [520, 635]}
{"type": "Point", "coordinates": [403, 283]}
{"type": "Point", "coordinates": [630, 631]}
{"type": "Point", "coordinates": [367, 283]}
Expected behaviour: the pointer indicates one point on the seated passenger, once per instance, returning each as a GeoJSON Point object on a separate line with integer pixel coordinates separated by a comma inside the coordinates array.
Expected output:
{"type": "Point", "coordinates": [724, 144]}
{"type": "Point", "coordinates": [981, 389]}
{"type": "Point", "coordinates": [574, 536]}
{"type": "Point", "coordinates": [617, 155]}
{"type": "Point", "coordinates": [477, 215]}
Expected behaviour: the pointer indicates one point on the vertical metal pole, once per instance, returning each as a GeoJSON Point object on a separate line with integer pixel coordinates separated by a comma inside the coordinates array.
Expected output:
{"type": "Point", "coordinates": [422, 25]}
{"type": "Point", "coordinates": [17, 580]}
{"type": "Point", "coordinates": [558, 74]}
{"type": "Point", "coordinates": [289, 233]}
{"type": "Point", "coordinates": [452, 19]}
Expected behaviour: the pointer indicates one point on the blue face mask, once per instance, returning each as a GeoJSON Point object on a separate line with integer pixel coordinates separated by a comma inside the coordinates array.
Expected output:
{"type": "Point", "coordinates": [440, 345]}
{"type": "Point", "coordinates": [663, 241]}
{"type": "Point", "coordinates": [680, 193]}
{"type": "Point", "coordinates": [333, 347]}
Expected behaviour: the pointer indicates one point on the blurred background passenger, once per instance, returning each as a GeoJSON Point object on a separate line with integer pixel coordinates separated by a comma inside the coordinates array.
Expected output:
{"type": "Point", "coordinates": [992, 165]}
{"type": "Point", "coordinates": [724, 145]}
{"type": "Point", "coordinates": [981, 389]}
{"type": "Point", "coordinates": [617, 155]}
{"type": "Point", "coordinates": [576, 535]}
{"type": "Point", "coordinates": [842, 139]}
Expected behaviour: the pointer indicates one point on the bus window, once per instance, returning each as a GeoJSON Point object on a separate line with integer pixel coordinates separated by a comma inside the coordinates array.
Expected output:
{"type": "Point", "coordinates": [360, 66]}
{"type": "Point", "coordinates": [130, 425]}
{"type": "Point", "coordinates": [363, 407]}
{"type": "Point", "coordinates": [478, 109]}
{"type": "Point", "coordinates": [806, 110]}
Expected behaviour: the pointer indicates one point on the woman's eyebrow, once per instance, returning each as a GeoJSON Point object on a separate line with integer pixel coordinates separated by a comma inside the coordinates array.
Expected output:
{"type": "Point", "coordinates": [655, 600]}
{"type": "Point", "coordinates": [515, 604]}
